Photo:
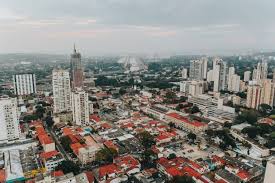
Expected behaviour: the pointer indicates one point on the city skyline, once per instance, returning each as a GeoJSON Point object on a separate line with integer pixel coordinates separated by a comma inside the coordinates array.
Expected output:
{"type": "Point", "coordinates": [120, 27]}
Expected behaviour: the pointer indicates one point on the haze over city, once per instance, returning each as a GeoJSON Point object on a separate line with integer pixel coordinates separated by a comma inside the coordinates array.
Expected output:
{"type": "Point", "coordinates": [142, 26]}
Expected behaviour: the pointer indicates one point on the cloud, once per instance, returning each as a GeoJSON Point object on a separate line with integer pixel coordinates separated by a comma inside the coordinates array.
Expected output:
{"type": "Point", "coordinates": [138, 24]}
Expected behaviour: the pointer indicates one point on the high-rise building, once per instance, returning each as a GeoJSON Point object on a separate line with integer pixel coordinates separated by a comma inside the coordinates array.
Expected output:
{"type": "Point", "coordinates": [247, 76]}
{"type": "Point", "coordinates": [267, 92]}
{"type": "Point", "coordinates": [273, 76]}
{"type": "Point", "coordinates": [234, 83]}
{"type": "Point", "coordinates": [184, 73]}
{"type": "Point", "coordinates": [198, 69]}
{"type": "Point", "coordinates": [205, 67]}
{"type": "Point", "coordinates": [253, 99]}
{"type": "Point", "coordinates": [219, 75]}
{"type": "Point", "coordinates": [193, 88]}
{"type": "Point", "coordinates": [269, 172]}
{"type": "Point", "coordinates": [254, 74]}
{"type": "Point", "coordinates": [9, 121]}
{"type": "Point", "coordinates": [262, 93]}
{"type": "Point", "coordinates": [80, 107]}
{"type": "Point", "coordinates": [261, 71]}
{"type": "Point", "coordinates": [210, 76]}
{"type": "Point", "coordinates": [24, 84]}
{"type": "Point", "coordinates": [231, 72]}
{"type": "Point", "coordinates": [76, 70]}
{"type": "Point", "coordinates": [61, 90]}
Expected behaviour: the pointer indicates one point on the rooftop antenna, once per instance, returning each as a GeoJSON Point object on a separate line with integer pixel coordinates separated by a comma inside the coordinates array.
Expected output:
{"type": "Point", "coordinates": [74, 48]}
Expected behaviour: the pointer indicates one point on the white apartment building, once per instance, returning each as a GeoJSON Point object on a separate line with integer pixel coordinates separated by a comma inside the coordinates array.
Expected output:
{"type": "Point", "coordinates": [24, 84]}
{"type": "Point", "coordinates": [9, 121]}
{"type": "Point", "coordinates": [184, 73]}
{"type": "Point", "coordinates": [198, 69]}
{"type": "Point", "coordinates": [80, 107]}
{"type": "Point", "coordinates": [247, 76]}
{"type": "Point", "coordinates": [193, 88]}
{"type": "Point", "coordinates": [234, 83]}
{"type": "Point", "coordinates": [61, 90]}
{"type": "Point", "coordinates": [219, 75]}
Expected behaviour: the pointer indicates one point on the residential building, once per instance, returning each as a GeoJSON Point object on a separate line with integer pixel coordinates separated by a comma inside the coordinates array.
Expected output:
{"type": "Point", "coordinates": [184, 123]}
{"type": "Point", "coordinates": [231, 72]}
{"type": "Point", "coordinates": [193, 87]}
{"type": "Point", "coordinates": [260, 94]}
{"type": "Point", "coordinates": [269, 173]}
{"type": "Point", "coordinates": [273, 76]}
{"type": "Point", "coordinates": [247, 76]}
{"type": "Point", "coordinates": [253, 96]}
{"type": "Point", "coordinates": [219, 75]}
{"type": "Point", "coordinates": [51, 159]}
{"type": "Point", "coordinates": [24, 84]}
{"type": "Point", "coordinates": [80, 107]}
{"type": "Point", "coordinates": [234, 83]}
{"type": "Point", "coordinates": [61, 90]}
{"type": "Point", "coordinates": [198, 69]}
{"type": "Point", "coordinates": [9, 121]}
{"type": "Point", "coordinates": [77, 76]}
{"type": "Point", "coordinates": [184, 73]}
{"type": "Point", "coordinates": [210, 76]}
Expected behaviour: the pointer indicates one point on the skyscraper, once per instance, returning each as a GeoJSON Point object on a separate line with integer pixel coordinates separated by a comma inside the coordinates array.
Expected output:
{"type": "Point", "coordinates": [231, 72]}
{"type": "Point", "coordinates": [76, 70]}
{"type": "Point", "coordinates": [80, 107]}
{"type": "Point", "coordinates": [9, 121]}
{"type": "Point", "coordinates": [24, 84]}
{"type": "Point", "coordinates": [61, 90]}
{"type": "Point", "coordinates": [198, 69]}
{"type": "Point", "coordinates": [273, 76]}
{"type": "Point", "coordinates": [219, 75]}
{"type": "Point", "coordinates": [262, 93]}
{"type": "Point", "coordinates": [247, 75]}
{"type": "Point", "coordinates": [184, 73]}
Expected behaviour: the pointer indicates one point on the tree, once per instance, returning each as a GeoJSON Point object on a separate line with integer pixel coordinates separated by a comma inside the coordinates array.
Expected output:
{"type": "Point", "coordinates": [147, 140]}
{"type": "Point", "coordinates": [40, 111]}
{"type": "Point", "coordinates": [192, 136]}
{"type": "Point", "coordinates": [172, 156]}
{"type": "Point", "coordinates": [182, 179]}
{"type": "Point", "coordinates": [29, 118]}
{"type": "Point", "coordinates": [49, 121]}
{"type": "Point", "coordinates": [122, 91]}
{"type": "Point", "coordinates": [68, 167]}
{"type": "Point", "coordinates": [265, 109]}
{"type": "Point", "coordinates": [106, 155]}
{"type": "Point", "coordinates": [66, 142]}
{"type": "Point", "coordinates": [249, 116]}
{"type": "Point", "coordinates": [195, 109]}
{"type": "Point", "coordinates": [251, 131]}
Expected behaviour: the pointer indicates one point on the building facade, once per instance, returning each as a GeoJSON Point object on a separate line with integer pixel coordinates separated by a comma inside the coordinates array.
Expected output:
{"type": "Point", "coordinates": [9, 121]}
{"type": "Point", "coordinates": [61, 90]}
{"type": "Point", "coordinates": [219, 75]}
{"type": "Point", "coordinates": [24, 84]}
{"type": "Point", "coordinates": [76, 70]}
{"type": "Point", "coordinates": [80, 107]}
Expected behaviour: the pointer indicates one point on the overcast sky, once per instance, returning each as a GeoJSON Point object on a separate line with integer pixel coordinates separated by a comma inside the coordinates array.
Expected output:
{"type": "Point", "coordinates": [136, 26]}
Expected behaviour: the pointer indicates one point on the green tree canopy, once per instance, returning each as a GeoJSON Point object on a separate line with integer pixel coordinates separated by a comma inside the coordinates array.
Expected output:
{"type": "Point", "coordinates": [68, 167]}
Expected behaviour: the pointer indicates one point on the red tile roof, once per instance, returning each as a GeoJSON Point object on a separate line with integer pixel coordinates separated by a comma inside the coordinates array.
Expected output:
{"type": "Point", "coordinates": [109, 144]}
{"type": "Point", "coordinates": [45, 139]}
{"type": "Point", "coordinates": [126, 161]}
{"type": "Point", "coordinates": [185, 120]}
{"type": "Point", "coordinates": [67, 131]}
{"type": "Point", "coordinates": [57, 173]}
{"type": "Point", "coordinates": [94, 118]}
{"type": "Point", "coordinates": [47, 155]}
{"type": "Point", "coordinates": [243, 175]}
{"type": "Point", "coordinates": [108, 169]}
{"type": "Point", "coordinates": [90, 176]}
{"type": "Point", "coordinates": [2, 175]}
{"type": "Point", "coordinates": [75, 147]}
